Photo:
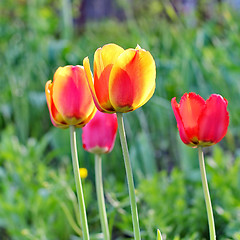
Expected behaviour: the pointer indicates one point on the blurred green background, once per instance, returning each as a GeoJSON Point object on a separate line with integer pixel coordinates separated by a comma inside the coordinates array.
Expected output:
{"type": "Point", "coordinates": [196, 46]}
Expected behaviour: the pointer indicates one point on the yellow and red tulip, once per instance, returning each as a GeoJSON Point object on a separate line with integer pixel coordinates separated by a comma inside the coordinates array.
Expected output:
{"type": "Point", "coordinates": [124, 80]}
{"type": "Point", "coordinates": [68, 97]}
{"type": "Point", "coordinates": [99, 135]}
{"type": "Point", "coordinates": [201, 123]}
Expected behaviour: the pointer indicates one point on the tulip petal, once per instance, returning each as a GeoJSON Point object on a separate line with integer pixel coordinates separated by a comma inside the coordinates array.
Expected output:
{"type": "Point", "coordinates": [85, 121]}
{"type": "Point", "coordinates": [132, 80]}
{"type": "Point", "coordinates": [182, 133]}
{"type": "Point", "coordinates": [190, 109]}
{"type": "Point", "coordinates": [102, 89]}
{"type": "Point", "coordinates": [71, 94]}
{"type": "Point", "coordinates": [104, 58]}
{"type": "Point", "coordinates": [56, 118]}
{"type": "Point", "coordinates": [89, 76]}
{"type": "Point", "coordinates": [214, 121]}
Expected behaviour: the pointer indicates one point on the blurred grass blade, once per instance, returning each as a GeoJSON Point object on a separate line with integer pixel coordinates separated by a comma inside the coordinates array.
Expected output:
{"type": "Point", "coordinates": [67, 19]}
{"type": "Point", "coordinates": [159, 236]}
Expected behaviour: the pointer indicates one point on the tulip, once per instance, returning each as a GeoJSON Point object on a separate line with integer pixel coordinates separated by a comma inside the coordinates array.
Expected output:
{"type": "Point", "coordinates": [68, 97]}
{"type": "Point", "coordinates": [124, 80]}
{"type": "Point", "coordinates": [99, 135]}
{"type": "Point", "coordinates": [71, 105]}
{"type": "Point", "coordinates": [201, 123]}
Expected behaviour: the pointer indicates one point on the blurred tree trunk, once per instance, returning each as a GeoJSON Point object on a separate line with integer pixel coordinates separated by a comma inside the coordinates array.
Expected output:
{"type": "Point", "coordinates": [184, 6]}
{"type": "Point", "coordinates": [98, 9]}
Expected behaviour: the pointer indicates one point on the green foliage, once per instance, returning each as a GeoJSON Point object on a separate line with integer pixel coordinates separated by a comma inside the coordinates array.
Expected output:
{"type": "Point", "coordinates": [37, 200]}
{"type": "Point", "coordinates": [175, 202]}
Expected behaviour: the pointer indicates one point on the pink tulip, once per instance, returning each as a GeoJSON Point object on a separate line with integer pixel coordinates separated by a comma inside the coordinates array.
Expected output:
{"type": "Point", "coordinates": [98, 136]}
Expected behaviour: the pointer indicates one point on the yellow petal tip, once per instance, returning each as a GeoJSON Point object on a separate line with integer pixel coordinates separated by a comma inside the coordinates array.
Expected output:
{"type": "Point", "coordinates": [86, 59]}
{"type": "Point", "coordinates": [138, 47]}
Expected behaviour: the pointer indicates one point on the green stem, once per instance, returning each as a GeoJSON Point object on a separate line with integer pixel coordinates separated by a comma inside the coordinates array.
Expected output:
{"type": "Point", "coordinates": [206, 195]}
{"type": "Point", "coordinates": [83, 215]}
{"type": "Point", "coordinates": [136, 229]}
{"type": "Point", "coordinates": [100, 197]}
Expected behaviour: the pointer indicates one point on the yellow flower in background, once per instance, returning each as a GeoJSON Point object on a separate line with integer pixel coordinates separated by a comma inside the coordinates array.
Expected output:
{"type": "Point", "coordinates": [83, 173]}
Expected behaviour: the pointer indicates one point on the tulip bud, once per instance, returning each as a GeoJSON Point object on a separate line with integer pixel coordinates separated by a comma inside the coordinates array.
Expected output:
{"type": "Point", "coordinates": [68, 97]}
{"type": "Point", "coordinates": [98, 136]}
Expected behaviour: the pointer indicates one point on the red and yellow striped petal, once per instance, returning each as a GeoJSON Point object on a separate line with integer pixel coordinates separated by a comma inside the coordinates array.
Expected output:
{"type": "Point", "coordinates": [104, 58]}
{"type": "Point", "coordinates": [132, 80]}
{"type": "Point", "coordinates": [190, 109]}
{"type": "Point", "coordinates": [214, 121]}
{"type": "Point", "coordinates": [71, 95]}
{"type": "Point", "coordinates": [56, 118]}
{"type": "Point", "coordinates": [91, 86]}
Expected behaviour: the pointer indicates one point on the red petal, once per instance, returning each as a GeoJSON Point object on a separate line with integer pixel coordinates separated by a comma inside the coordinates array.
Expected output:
{"type": "Point", "coordinates": [88, 73]}
{"type": "Point", "coordinates": [191, 107]}
{"type": "Point", "coordinates": [214, 120]}
{"type": "Point", "coordinates": [104, 58]}
{"type": "Point", "coordinates": [101, 86]}
{"type": "Point", "coordinates": [183, 135]}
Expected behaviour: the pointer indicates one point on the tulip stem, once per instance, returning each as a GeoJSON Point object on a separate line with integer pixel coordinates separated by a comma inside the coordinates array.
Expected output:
{"type": "Point", "coordinates": [83, 215]}
{"type": "Point", "coordinates": [206, 195]}
{"type": "Point", "coordinates": [100, 197]}
{"type": "Point", "coordinates": [137, 235]}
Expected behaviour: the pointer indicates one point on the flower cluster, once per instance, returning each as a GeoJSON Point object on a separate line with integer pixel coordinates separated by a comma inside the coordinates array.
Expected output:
{"type": "Point", "coordinates": [122, 81]}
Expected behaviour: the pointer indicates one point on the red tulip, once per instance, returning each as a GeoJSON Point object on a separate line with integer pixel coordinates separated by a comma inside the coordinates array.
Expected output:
{"type": "Point", "coordinates": [200, 122]}
{"type": "Point", "coordinates": [98, 136]}
{"type": "Point", "coordinates": [69, 98]}
{"type": "Point", "coordinates": [124, 80]}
